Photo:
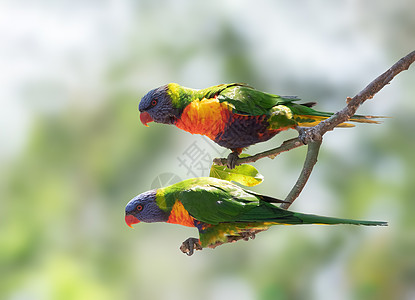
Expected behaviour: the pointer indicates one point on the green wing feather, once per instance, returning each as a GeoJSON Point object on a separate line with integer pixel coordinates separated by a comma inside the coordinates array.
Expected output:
{"type": "Point", "coordinates": [212, 203]}
{"type": "Point", "coordinates": [215, 201]}
{"type": "Point", "coordinates": [249, 101]}
{"type": "Point", "coordinates": [216, 90]}
{"type": "Point", "coordinates": [246, 100]}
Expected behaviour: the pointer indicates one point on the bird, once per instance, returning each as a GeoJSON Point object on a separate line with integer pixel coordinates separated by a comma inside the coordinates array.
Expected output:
{"type": "Point", "coordinates": [221, 211]}
{"type": "Point", "coordinates": [234, 115]}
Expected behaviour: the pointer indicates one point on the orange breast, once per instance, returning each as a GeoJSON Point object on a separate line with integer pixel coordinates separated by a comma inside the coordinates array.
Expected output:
{"type": "Point", "coordinates": [206, 116]}
{"type": "Point", "coordinates": [179, 215]}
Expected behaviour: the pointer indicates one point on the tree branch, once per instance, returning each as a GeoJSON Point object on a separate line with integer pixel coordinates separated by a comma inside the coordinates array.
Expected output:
{"type": "Point", "coordinates": [367, 93]}
{"type": "Point", "coordinates": [285, 146]}
{"type": "Point", "coordinates": [313, 135]}
{"type": "Point", "coordinates": [310, 161]}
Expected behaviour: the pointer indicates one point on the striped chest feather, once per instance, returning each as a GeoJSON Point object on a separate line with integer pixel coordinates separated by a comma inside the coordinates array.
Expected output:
{"type": "Point", "coordinates": [179, 215]}
{"type": "Point", "coordinates": [243, 131]}
{"type": "Point", "coordinates": [207, 117]}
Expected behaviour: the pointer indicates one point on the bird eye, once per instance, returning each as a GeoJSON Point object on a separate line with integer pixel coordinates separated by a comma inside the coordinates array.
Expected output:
{"type": "Point", "coordinates": [139, 207]}
{"type": "Point", "coordinates": [154, 102]}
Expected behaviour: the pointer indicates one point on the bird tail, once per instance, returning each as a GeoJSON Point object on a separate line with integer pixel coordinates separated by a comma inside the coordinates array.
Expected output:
{"type": "Point", "coordinates": [306, 116]}
{"type": "Point", "coordinates": [313, 119]}
{"type": "Point", "coordinates": [314, 219]}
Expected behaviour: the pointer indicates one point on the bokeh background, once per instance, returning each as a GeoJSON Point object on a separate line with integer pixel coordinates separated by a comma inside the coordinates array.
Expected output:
{"type": "Point", "coordinates": [73, 152]}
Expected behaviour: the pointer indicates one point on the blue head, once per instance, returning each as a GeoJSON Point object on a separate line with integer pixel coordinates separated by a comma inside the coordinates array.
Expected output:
{"type": "Point", "coordinates": [144, 208]}
{"type": "Point", "coordinates": [157, 106]}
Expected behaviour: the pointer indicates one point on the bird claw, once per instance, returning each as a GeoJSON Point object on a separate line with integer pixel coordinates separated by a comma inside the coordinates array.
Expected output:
{"type": "Point", "coordinates": [231, 160]}
{"type": "Point", "coordinates": [246, 235]}
{"type": "Point", "coordinates": [189, 245]}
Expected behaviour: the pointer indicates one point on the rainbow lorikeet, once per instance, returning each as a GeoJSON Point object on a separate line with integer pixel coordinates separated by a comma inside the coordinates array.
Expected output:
{"type": "Point", "coordinates": [222, 212]}
{"type": "Point", "coordinates": [233, 115]}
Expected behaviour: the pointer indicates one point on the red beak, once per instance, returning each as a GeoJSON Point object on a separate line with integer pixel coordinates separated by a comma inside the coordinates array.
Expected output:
{"type": "Point", "coordinates": [145, 118]}
{"type": "Point", "coordinates": [130, 219]}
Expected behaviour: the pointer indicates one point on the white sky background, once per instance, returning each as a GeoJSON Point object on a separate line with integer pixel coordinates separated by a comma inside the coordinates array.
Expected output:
{"type": "Point", "coordinates": [53, 53]}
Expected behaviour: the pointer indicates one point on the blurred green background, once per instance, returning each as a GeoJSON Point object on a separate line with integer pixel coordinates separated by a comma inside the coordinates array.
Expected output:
{"type": "Point", "coordinates": [73, 152]}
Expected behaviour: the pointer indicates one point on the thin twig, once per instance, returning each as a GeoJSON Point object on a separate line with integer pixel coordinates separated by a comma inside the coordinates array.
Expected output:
{"type": "Point", "coordinates": [285, 146]}
{"type": "Point", "coordinates": [310, 161]}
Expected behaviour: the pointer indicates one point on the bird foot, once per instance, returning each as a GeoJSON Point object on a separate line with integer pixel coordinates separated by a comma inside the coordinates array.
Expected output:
{"type": "Point", "coordinates": [189, 245]}
{"type": "Point", "coordinates": [231, 160]}
{"type": "Point", "coordinates": [246, 235]}
{"type": "Point", "coordinates": [308, 135]}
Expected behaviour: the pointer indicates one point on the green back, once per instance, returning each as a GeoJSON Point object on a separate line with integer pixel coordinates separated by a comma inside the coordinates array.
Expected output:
{"type": "Point", "coordinates": [247, 100]}
{"type": "Point", "coordinates": [182, 96]}
{"type": "Point", "coordinates": [244, 99]}
{"type": "Point", "coordinates": [214, 201]}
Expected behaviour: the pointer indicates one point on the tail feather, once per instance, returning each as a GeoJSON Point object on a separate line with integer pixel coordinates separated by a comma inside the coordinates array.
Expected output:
{"type": "Point", "coordinates": [366, 119]}
{"type": "Point", "coordinates": [314, 219]}
{"type": "Point", "coordinates": [312, 120]}
{"type": "Point", "coordinates": [306, 116]}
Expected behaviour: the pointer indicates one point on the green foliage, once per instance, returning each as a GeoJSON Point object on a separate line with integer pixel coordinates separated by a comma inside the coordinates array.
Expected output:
{"type": "Point", "coordinates": [245, 174]}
